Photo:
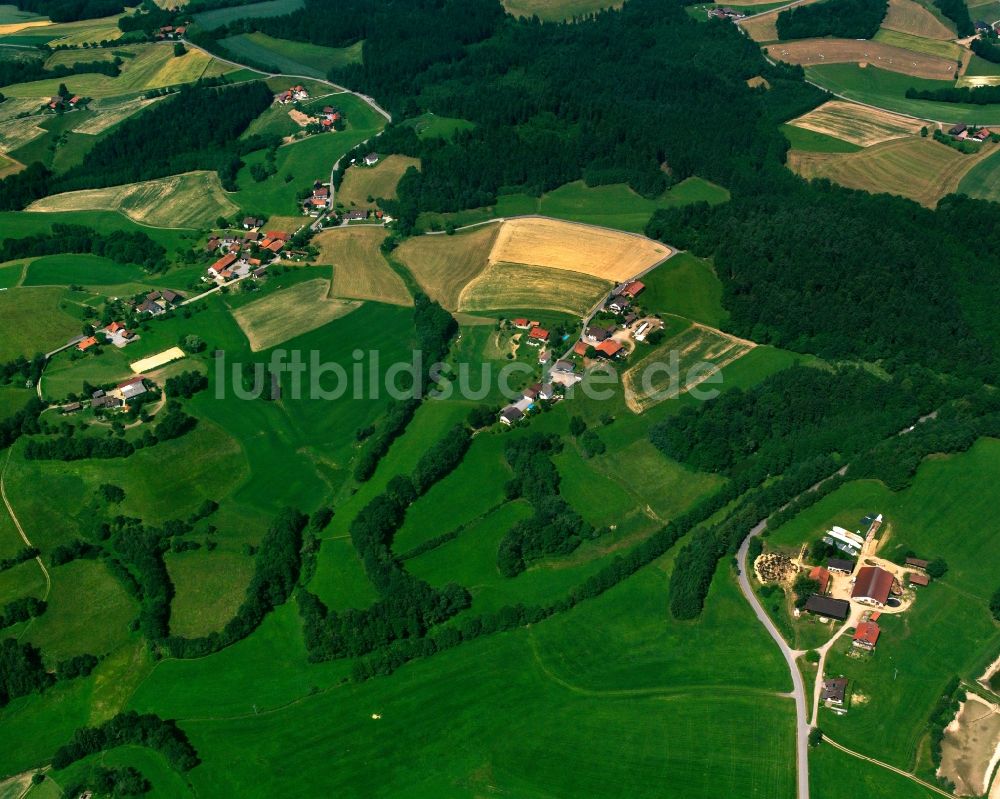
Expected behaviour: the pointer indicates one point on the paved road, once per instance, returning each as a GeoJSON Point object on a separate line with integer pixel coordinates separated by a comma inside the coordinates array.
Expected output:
{"type": "Point", "coordinates": [790, 655]}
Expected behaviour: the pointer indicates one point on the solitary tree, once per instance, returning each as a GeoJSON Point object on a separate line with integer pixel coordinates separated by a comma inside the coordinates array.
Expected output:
{"type": "Point", "coordinates": [179, 49]}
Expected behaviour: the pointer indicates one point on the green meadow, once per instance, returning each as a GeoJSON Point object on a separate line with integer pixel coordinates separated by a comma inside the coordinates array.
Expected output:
{"type": "Point", "coordinates": [811, 141]}
{"type": "Point", "coordinates": [82, 269]}
{"type": "Point", "coordinates": [887, 90]}
{"type": "Point", "coordinates": [836, 775]}
{"type": "Point", "coordinates": [223, 16]}
{"type": "Point", "coordinates": [293, 58]}
{"type": "Point", "coordinates": [35, 320]}
{"type": "Point", "coordinates": [685, 286]}
{"type": "Point", "coordinates": [429, 126]}
{"type": "Point", "coordinates": [983, 180]}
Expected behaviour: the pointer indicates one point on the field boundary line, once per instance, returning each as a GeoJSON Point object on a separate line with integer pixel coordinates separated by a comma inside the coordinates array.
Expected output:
{"type": "Point", "coordinates": [899, 771]}
{"type": "Point", "coordinates": [17, 523]}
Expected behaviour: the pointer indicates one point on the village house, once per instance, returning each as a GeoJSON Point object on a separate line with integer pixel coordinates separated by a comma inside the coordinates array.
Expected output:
{"type": "Point", "coordinates": [619, 304]}
{"type": "Point", "coordinates": [217, 269]}
{"type": "Point", "coordinates": [99, 399]}
{"type": "Point", "coordinates": [130, 388]}
{"type": "Point", "coordinates": [566, 367]}
{"type": "Point", "coordinates": [981, 135]}
{"type": "Point", "coordinates": [866, 636]}
{"type": "Point", "coordinates": [840, 565]}
{"type": "Point", "coordinates": [510, 415]}
{"type": "Point", "coordinates": [609, 348]}
{"type": "Point", "coordinates": [212, 244]}
{"type": "Point", "coordinates": [580, 348]}
{"type": "Point", "coordinates": [355, 216]}
{"type": "Point", "coordinates": [834, 691]}
{"type": "Point", "coordinates": [959, 131]}
{"type": "Point", "coordinates": [85, 344]}
{"type": "Point", "coordinates": [371, 159]}
{"type": "Point", "coordinates": [827, 607]}
{"type": "Point", "coordinates": [166, 297]}
{"type": "Point", "coordinates": [544, 356]}
{"type": "Point", "coordinates": [151, 307]}
{"type": "Point", "coordinates": [538, 336]}
{"type": "Point", "coordinates": [873, 586]}
{"type": "Point", "coordinates": [918, 563]}
{"type": "Point", "coordinates": [291, 95]}
{"type": "Point", "coordinates": [72, 407]}
{"type": "Point", "coordinates": [595, 334]}
{"type": "Point", "coordinates": [633, 289]}
{"type": "Point", "coordinates": [117, 334]}
{"type": "Point", "coordinates": [844, 540]}
{"type": "Point", "coordinates": [252, 222]}
{"type": "Point", "coordinates": [821, 576]}
{"type": "Point", "coordinates": [916, 578]}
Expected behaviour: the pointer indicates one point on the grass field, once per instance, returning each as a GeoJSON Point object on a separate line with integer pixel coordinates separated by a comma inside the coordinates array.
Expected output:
{"type": "Point", "coordinates": [886, 89]}
{"type": "Point", "coordinates": [110, 113]}
{"type": "Point", "coordinates": [811, 141]}
{"type": "Point", "coordinates": [379, 181]}
{"type": "Point", "coordinates": [855, 124]}
{"type": "Point", "coordinates": [191, 200]}
{"type": "Point", "coordinates": [293, 58]}
{"type": "Point", "coordinates": [34, 321]}
{"type": "Point", "coordinates": [711, 350]}
{"type": "Point", "coordinates": [555, 10]}
{"type": "Point", "coordinates": [810, 52]}
{"type": "Point", "coordinates": [444, 265]}
{"type": "Point", "coordinates": [921, 169]}
{"type": "Point", "coordinates": [983, 180]}
{"type": "Point", "coordinates": [83, 269]}
{"type": "Point", "coordinates": [223, 16]}
{"type": "Point", "coordinates": [908, 16]}
{"type": "Point", "coordinates": [17, 224]}
{"type": "Point", "coordinates": [301, 163]}
{"type": "Point", "coordinates": [615, 206]}
{"type": "Point", "coordinates": [340, 579]}
{"type": "Point", "coordinates": [940, 514]}
{"type": "Point", "coordinates": [208, 589]}
{"type": "Point", "coordinates": [685, 286]}
{"type": "Point", "coordinates": [360, 272]}
{"type": "Point", "coordinates": [920, 44]}
{"type": "Point", "coordinates": [835, 775]}
{"type": "Point", "coordinates": [290, 312]}
{"type": "Point", "coordinates": [153, 67]}
{"type": "Point", "coordinates": [430, 125]}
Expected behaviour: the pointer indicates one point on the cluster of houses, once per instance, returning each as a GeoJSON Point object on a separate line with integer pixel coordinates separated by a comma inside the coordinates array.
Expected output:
{"type": "Point", "coordinates": [562, 374]}
{"type": "Point", "coordinates": [242, 256]}
{"type": "Point", "coordinates": [725, 12]}
{"type": "Point", "coordinates": [329, 117]}
{"type": "Point", "coordinates": [363, 215]}
{"type": "Point", "coordinates": [60, 103]}
{"type": "Point", "coordinates": [118, 334]}
{"type": "Point", "coordinates": [319, 200]}
{"type": "Point", "coordinates": [962, 132]}
{"type": "Point", "coordinates": [119, 396]}
{"type": "Point", "coordinates": [170, 32]}
{"type": "Point", "coordinates": [291, 95]}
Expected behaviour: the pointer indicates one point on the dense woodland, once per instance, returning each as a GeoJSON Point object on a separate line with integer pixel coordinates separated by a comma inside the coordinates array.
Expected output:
{"type": "Point", "coordinates": [72, 10]}
{"type": "Point", "coordinates": [975, 95]}
{"type": "Point", "coordinates": [958, 12]}
{"type": "Point", "coordinates": [840, 273]}
{"type": "Point", "coordinates": [846, 19]}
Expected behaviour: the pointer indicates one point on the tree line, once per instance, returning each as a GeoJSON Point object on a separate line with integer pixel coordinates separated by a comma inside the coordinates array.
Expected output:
{"type": "Point", "coordinates": [23, 70]}
{"type": "Point", "coordinates": [124, 247]}
{"type": "Point", "coordinates": [130, 729]}
{"type": "Point", "coordinates": [847, 19]}
{"type": "Point", "coordinates": [974, 95]}
{"type": "Point", "coordinates": [958, 12]}
{"type": "Point", "coordinates": [72, 10]}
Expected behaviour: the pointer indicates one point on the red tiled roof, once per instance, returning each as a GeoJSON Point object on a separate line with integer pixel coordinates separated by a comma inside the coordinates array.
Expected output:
{"type": "Point", "coordinates": [114, 327]}
{"type": "Point", "coordinates": [86, 344]}
{"type": "Point", "coordinates": [539, 333]}
{"type": "Point", "coordinates": [916, 578]}
{"type": "Point", "coordinates": [275, 246]}
{"type": "Point", "coordinates": [634, 288]}
{"type": "Point", "coordinates": [580, 348]}
{"type": "Point", "coordinates": [520, 322]}
{"type": "Point", "coordinates": [224, 261]}
{"type": "Point", "coordinates": [131, 381]}
{"type": "Point", "coordinates": [822, 576]}
{"type": "Point", "coordinates": [280, 235]}
{"type": "Point", "coordinates": [873, 583]}
{"type": "Point", "coordinates": [609, 347]}
{"type": "Point", "coordinates": [867, 632]}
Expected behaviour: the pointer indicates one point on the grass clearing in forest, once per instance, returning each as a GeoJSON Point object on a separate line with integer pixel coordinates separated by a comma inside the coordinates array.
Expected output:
{"type": "Point", "coordinates": [290, 312]}
{"type": "Point", "coordinates": [557, 10]}
{"type": "Point", "coordinates": [360, 272]}
{"type": "Point", "coordinates": [293, 58]}
{"type": "Point", "coordinates": [379, 181]}
{"type": "Point", "coordinates": [857, 124]}
{"type": "Point", "coordinates": [83, 269]}
{"type": "Point", "coordinates": [216, 17]}
{"type": "Point", "coordinates": [208, 589]}
{"type": "Point", "coordinates": [920, 169]}
{"type": "Point", "coordinates": [189, 200]}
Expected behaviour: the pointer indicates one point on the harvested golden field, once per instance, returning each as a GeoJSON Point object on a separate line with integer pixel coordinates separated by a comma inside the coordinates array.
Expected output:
{"type": "Point", "coordinates": [508, 286]}
{"type": "Point", "coordinates": [14, 27]}
{"type": "Point", "coordinates": [844, 51]}
{"type": "Point", "coordinates": [908, 16]}
{"type": "Point", "coordinates": [190, 200]}
{"type": "Point", "coordinates": [290, 312]}
{"type": "Point", "coordinates": [8, 166]}
{"type": "Point", "coordinates": [699, 353]}
{"type": "Point", "coordinates": [606, 254]}
{"type": "Point", "coordinates": [857, 124]}
{"type": "Point", "coordinates": [362, 182]}
{"type": "Point", "coordinates": [360, 272]}
{"type": "Point", "coordinates": [16, 133]}
{"type": "Point", "coordinates": [444, 265]}
{"type": "Point", "coordinates": [921, 169]}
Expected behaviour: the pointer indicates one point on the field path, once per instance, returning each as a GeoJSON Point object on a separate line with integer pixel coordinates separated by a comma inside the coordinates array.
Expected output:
{"type": "Point", "coordinates": [791, 655]}
{"type": "Point", "coordinates": [17, 524]}
{"type": "Point", "coordinates": [898, 771]}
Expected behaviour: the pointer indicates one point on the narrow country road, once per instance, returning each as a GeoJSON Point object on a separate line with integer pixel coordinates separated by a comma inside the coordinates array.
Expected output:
{"type": "Point", "coordinates": [790, 655]}
{"type": "Point", "coordinates": [17, 524]}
